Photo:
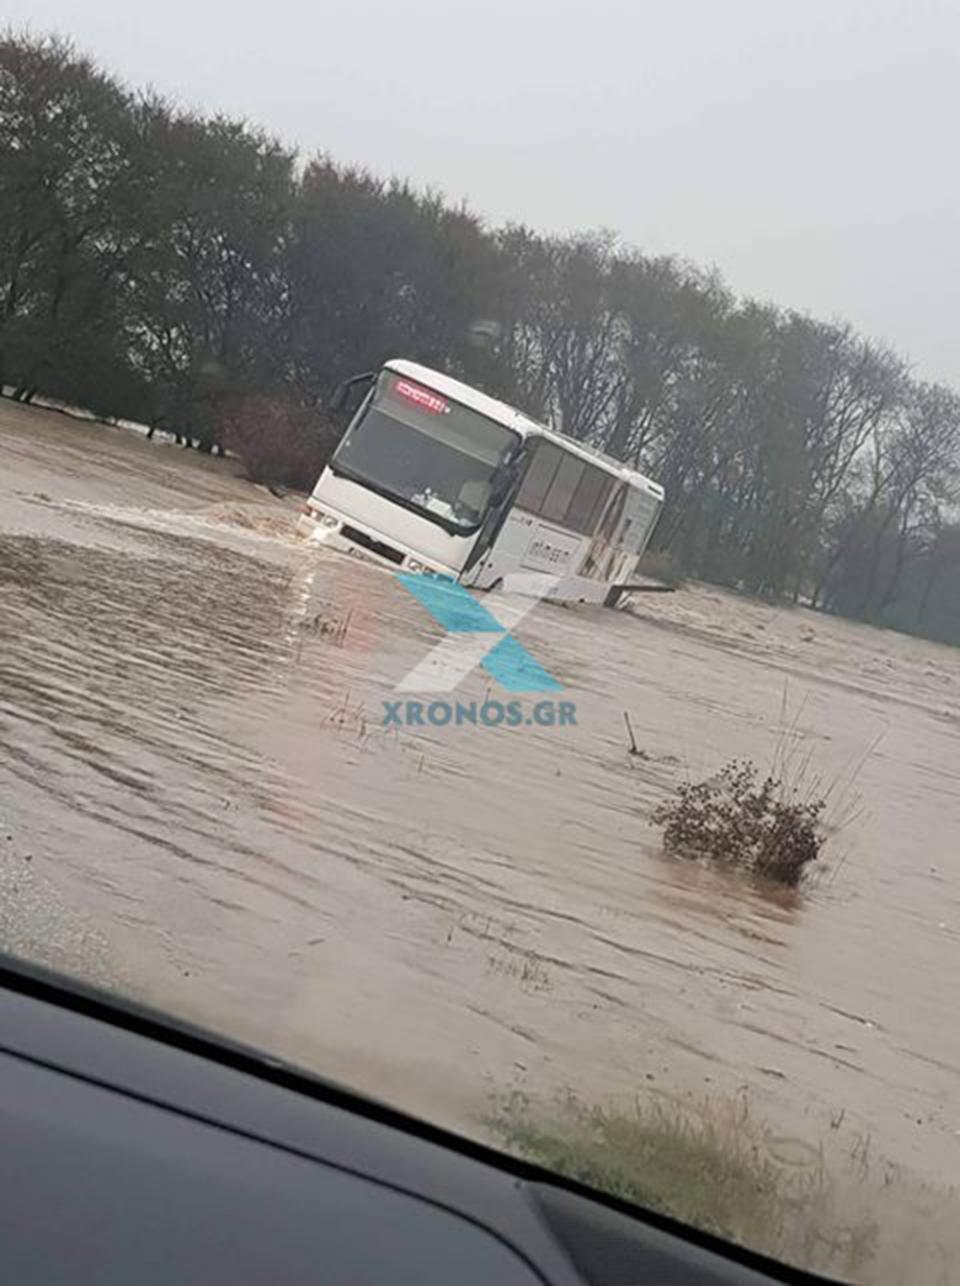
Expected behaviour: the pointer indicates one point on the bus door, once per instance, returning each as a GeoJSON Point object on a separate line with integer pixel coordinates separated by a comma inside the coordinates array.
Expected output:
{"type": "Point", "coordinates": [503, 493]}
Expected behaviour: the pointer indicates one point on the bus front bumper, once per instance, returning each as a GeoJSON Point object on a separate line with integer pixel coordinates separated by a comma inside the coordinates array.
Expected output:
{"type": "Point", "coordinates": [323, 528]}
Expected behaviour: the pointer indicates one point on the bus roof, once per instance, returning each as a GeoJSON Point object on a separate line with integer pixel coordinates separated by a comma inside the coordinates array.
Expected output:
{"type": "Point", "coordinates": [511, 418]}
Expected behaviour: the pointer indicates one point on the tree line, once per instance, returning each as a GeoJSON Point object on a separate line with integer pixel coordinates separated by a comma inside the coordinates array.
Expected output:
{"type": "Point", "coordinates": [191, 273]}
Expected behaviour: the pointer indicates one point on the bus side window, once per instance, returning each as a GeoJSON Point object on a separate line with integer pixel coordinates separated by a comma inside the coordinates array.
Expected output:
{"type": "Point", "coordinates": [583, 512]}
{"type": "Point", "coordinates": [562, 489]}
{"type": "Point", "coordinates": [540, 473]}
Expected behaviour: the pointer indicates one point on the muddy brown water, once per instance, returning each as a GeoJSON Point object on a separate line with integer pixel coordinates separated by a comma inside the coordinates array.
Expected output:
{"type": "Point", "coordinates": [200, 806]}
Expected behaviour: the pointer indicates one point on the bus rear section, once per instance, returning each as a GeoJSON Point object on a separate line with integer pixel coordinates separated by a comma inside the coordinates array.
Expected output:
{"type": "Point", "coordinates": [577, 517]}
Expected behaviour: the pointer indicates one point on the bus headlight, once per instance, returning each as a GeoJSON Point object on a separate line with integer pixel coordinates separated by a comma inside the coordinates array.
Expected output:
{"type": "Point", "coordinates": [413, 566]}
{"type": "Point", "coordinates": [328, 520]}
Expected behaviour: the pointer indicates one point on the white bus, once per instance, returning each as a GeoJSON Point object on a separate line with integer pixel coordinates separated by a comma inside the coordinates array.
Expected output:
{"type": "Point", "coordinates": [433, 476]}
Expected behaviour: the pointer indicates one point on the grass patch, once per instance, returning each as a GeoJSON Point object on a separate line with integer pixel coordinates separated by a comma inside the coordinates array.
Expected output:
{"type": "Point", "coordinates": [706, 1164]}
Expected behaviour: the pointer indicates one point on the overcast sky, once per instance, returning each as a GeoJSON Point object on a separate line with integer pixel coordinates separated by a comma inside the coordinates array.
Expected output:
{"type": "Point", "coordinates": [806, 148]}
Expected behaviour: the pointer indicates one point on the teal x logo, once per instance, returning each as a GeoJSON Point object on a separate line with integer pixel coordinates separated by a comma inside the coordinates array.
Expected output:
{"type": "Point", "coordinates": [475, 637]}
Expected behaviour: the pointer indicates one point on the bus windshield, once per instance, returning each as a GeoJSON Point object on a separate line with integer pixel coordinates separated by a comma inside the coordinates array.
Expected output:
{"type": "Point", "coordinates": [426, 452]}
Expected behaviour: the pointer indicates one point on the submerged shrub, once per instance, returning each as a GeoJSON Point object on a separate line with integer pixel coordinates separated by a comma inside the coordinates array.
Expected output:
{"type": "Point", "coordinates": [736, 820]}
{"type": "Point", "coordinates": [277, 441]}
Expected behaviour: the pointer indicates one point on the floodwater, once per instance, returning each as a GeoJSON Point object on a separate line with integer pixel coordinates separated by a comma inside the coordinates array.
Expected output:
{"type": "Point", "coordinates": [200, 805]}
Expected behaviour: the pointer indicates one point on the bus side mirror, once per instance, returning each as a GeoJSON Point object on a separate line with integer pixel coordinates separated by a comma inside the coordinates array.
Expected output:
{"type": "Point", "coordinates": [348, 395]}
